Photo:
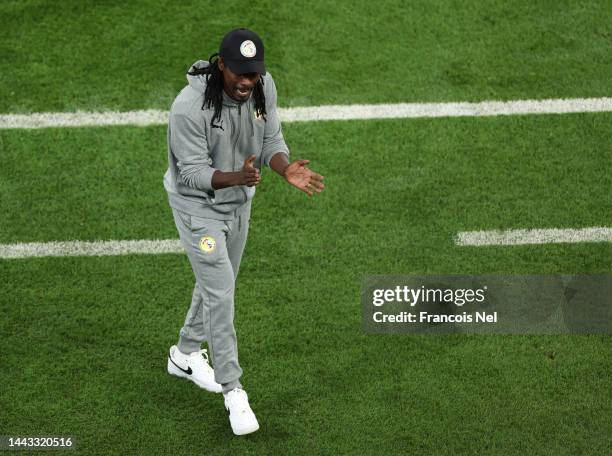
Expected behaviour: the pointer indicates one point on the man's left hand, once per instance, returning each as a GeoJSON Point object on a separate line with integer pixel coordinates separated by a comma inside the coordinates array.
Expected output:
{"type": "Point", "coordinates": [303, 178]}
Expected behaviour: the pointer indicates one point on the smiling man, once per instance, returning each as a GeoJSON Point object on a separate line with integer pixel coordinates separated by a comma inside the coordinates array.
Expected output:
{"type": "Point", "coordinates": [223, 128]}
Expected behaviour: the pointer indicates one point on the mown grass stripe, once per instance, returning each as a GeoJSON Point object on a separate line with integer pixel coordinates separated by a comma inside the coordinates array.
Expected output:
{"type": "Point", "coordinates": [322, 113]}
{"type": "Point", "coordinates": [536, 236]}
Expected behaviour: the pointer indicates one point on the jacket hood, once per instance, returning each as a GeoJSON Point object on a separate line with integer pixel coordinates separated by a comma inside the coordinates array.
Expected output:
{"type": "Point", "coordinates": [198, 82]}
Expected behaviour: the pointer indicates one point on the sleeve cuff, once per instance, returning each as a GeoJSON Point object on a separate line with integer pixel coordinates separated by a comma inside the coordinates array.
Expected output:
{"type": "Point", "coordinates": [205, 181]}
{"type": "Point", "coordinates": [268, 156]}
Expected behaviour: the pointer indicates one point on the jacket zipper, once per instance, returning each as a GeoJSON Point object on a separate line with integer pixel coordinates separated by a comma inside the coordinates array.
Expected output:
{"type": "Point", "coordinates": [234, 147]}
{"type": "Point", "coordinates": [237, 136]}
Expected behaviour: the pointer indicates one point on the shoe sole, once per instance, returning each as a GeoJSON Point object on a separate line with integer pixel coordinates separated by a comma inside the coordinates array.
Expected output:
{"type": "Point", "coordinates": [173, 370]}
{"type": "Point", "coordinates": [243, 431]}
{"type": "Point", "coordinates": [246, 431]}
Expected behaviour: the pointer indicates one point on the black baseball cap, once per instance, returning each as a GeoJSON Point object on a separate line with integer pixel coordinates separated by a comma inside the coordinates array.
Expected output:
{"type": "Point", "coordinates": [243, 52]}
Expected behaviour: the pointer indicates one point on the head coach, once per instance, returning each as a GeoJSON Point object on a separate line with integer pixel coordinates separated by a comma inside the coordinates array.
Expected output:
{"type": "Point", "coordinates": [223, 128]}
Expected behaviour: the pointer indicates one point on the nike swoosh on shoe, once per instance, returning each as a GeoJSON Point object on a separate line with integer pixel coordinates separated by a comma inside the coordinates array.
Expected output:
{"type": "Point", "coordinates": [188, 371]}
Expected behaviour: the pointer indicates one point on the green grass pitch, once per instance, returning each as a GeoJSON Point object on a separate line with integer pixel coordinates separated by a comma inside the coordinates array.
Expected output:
{"type": "Point", "coordinates": [85, 339]}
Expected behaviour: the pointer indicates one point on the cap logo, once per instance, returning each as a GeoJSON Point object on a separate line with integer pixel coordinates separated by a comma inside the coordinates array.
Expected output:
{"type": "Point", "coordinates": [248, 49]}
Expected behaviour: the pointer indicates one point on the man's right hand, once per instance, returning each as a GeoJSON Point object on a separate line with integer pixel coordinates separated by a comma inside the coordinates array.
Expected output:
{"type": "Point", "coordinates": [249, 174]}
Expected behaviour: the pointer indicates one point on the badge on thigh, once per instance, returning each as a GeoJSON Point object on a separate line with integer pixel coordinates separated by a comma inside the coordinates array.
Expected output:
{"type": "Point", "coordinates": [207, 244]}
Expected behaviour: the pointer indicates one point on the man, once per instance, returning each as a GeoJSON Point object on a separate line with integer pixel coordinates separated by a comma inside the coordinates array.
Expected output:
{"type": "Point", "coordinates": [223, 128]}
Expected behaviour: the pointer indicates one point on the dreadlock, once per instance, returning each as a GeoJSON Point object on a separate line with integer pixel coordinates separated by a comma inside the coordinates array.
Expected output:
{"type": "Point", "coordinates": [213, 94]}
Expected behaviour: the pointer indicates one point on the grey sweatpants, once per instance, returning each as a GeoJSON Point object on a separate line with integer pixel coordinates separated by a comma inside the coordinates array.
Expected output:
{"type": "Point", "coordinates": [214, 249]}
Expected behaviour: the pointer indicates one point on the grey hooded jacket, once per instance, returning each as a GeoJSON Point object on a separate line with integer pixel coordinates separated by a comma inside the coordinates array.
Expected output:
{"type": "Point", "coordinates": [196, 149]}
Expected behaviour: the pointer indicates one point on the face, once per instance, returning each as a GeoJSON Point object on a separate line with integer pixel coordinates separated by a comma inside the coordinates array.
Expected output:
{"type": "Point", "coordinates": [238, 86]}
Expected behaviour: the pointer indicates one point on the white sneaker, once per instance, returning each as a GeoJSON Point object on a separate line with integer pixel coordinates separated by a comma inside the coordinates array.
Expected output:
{"type": "Point", "coordinates": [193, 367]}
{"type": "Point", "coordinates": [241, 416]}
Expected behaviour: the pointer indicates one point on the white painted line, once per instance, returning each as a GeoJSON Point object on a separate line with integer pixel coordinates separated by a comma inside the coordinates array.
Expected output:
{"type": "Point", "coordinates": [321, 113]}
{"type": "Point", "coordinates": [463, 109]}
{"type": "Point", "coordinates": [522, 237]}
{"type": "Point", "coordinates": [83, 119]}
{"type": "Point", "coordinates": [154, 247]}
{"type": "Point", "coordinates": [95, 248]}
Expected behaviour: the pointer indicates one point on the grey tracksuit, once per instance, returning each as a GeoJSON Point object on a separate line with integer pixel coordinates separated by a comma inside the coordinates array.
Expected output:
{"type": "Point", "coordinates": [213, 224]}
